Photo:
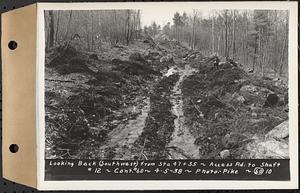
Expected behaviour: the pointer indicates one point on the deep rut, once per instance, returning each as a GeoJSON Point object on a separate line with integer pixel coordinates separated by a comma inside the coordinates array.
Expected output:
{"type": "Point", "coordinates": [122, 138]}
{"type": "Point", "coordinates": [182, 144]}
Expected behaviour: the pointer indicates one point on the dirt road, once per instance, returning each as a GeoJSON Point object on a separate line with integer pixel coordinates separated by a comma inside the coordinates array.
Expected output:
{"type": "Point", "coordinates": [122, 138]}
{"type": "Point", "coordinates": [182, 144]}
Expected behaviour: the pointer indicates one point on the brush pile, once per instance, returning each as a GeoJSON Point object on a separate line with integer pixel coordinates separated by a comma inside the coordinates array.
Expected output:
{"type": "Point", "coordinates": [229, 111]}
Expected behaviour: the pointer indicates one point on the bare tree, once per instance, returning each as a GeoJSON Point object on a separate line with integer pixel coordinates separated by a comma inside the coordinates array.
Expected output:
{"type": "Point", "coordinates": [213, 33]}
{"type": "Point", "coordinates": [233, 35]}
{"type": "Point", "coordinates": [57, 26]}
{"type": "Point", "coordinates": [69, 25]}
{"type": "Point", "coordinates": [51, 29]}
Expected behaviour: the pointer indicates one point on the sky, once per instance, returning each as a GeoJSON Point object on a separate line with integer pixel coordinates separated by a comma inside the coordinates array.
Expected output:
{"type": "Point", "coordinates": [162, 16]}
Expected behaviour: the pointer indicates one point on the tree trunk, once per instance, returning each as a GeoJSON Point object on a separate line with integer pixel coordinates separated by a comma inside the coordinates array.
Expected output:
{"type": "Point", "coordinates": [245, 39]}
{"type": "Point", "coordinates": [285, 44]}
{"type": "Point", "coordinates": [193, 34]}
{"type": "Point", "coordinates": [127, 36]}
{"type": "Point", "coordinates": [213, 35]}
{"type": "Point", "coordinates": [255, 52]}
{"type": "Point", "coordinates": [51, 26]}
{"type": "Point", "coordinates": [226, 36]}
{"type": "Point", "coordinates": [218, 51]}
{"type": "Point", "coordinates": [57, 26]}
{"type": "Point", "coordinates": [68, 26]}
{"type": "Point", "coordinates": [233, 36]}
{"type": "Point", "coordinates": [92, 34]}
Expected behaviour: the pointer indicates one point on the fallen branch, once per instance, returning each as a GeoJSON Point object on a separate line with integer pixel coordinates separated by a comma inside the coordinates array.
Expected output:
{"type": "Point", "coordinates": [142, 151]}
{"type": "Point", "coordinates": [201, 114]}
{"type": "Point", "coordinates": [56, 80]}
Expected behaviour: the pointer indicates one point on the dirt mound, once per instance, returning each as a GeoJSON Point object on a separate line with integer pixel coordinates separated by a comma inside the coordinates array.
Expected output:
{"type": "Point", "coordinates": [67, 60]}
{"type": "Point", "coordinates": [227, 102]}
{"type": "Point", "coordinates": [136, 56]}
{"type": "Point", "coordinates": [134, 68]}
{"type": "Point", "coordinates": [172, 46]}
{"type": "Point", "coordinates": [86, 115]}
{"type": "Point", "coordinates": [63, 55]}
{"type": "Point", "coordinates": [152, 55]}
{"type": "Point", "coordinates": [74, 65]}
{"type": "Point", "coordinates": [114, 77]}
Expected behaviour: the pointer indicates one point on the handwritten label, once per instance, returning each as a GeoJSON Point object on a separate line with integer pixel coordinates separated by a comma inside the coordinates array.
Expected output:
{"type": "Point", "coordinates": [167, 169]}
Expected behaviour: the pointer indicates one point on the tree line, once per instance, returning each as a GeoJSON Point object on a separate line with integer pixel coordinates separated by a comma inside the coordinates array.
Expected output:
{"type": "Point", "coordinates": [92, 28]}
{"type": "Point", "coordinates": [255, 38]}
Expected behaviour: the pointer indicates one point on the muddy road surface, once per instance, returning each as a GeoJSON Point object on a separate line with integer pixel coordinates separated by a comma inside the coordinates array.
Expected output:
{"type": "Point", "coordinates": [120, 141]}
{"type": "Point", "coordinates": [159, 131]}
{"type": "Point", "coordinates": [182, 144]}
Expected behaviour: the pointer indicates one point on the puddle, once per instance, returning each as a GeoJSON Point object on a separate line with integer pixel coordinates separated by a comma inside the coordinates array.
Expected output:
{"type": "Point", "coordinates": [171, 71]}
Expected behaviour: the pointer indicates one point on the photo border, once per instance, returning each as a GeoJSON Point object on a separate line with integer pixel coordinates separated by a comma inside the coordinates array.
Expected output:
{"type": "Point", "coordinates": [171, 184]}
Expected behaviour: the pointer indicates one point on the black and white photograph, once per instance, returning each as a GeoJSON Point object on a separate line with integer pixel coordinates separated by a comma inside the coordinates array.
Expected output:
{"type": "Point", "coordinates": [171, 84]}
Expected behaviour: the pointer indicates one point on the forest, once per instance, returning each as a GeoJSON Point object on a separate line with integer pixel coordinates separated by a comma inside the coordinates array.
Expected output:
{"type": "Point", "coordinates": [256, 38]}
{"type": "Point", "coordinates": [205, 85]}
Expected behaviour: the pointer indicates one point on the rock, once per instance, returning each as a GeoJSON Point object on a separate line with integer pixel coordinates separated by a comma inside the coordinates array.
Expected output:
{"type": "Point", "coordinates": [240, 99]}
{"type": "Point", "coordinates": [166, 59]}
{"type": "Point", "coordinates": [225, 140]}
{"type": "Point", "coordinates": [266, 149]}
{"type": "Point", "coordinates": [271, 101]}
{"type": "Point", "coordinates": [254, 114]}
{"type": "Point", "coordinates": [254, 108]}
{"type": "Point", "coordinates": [225, 154]}
{"type": "Point", "coordinates": [216, 115]}
{"type": "Point", "coordinates": [280, 131]}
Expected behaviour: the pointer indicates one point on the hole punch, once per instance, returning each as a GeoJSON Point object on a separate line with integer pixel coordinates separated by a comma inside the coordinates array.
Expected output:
{"type": "Point", "coordinates": [14, 148]}
{"type": "Point", "coordinates": [12, 45]}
